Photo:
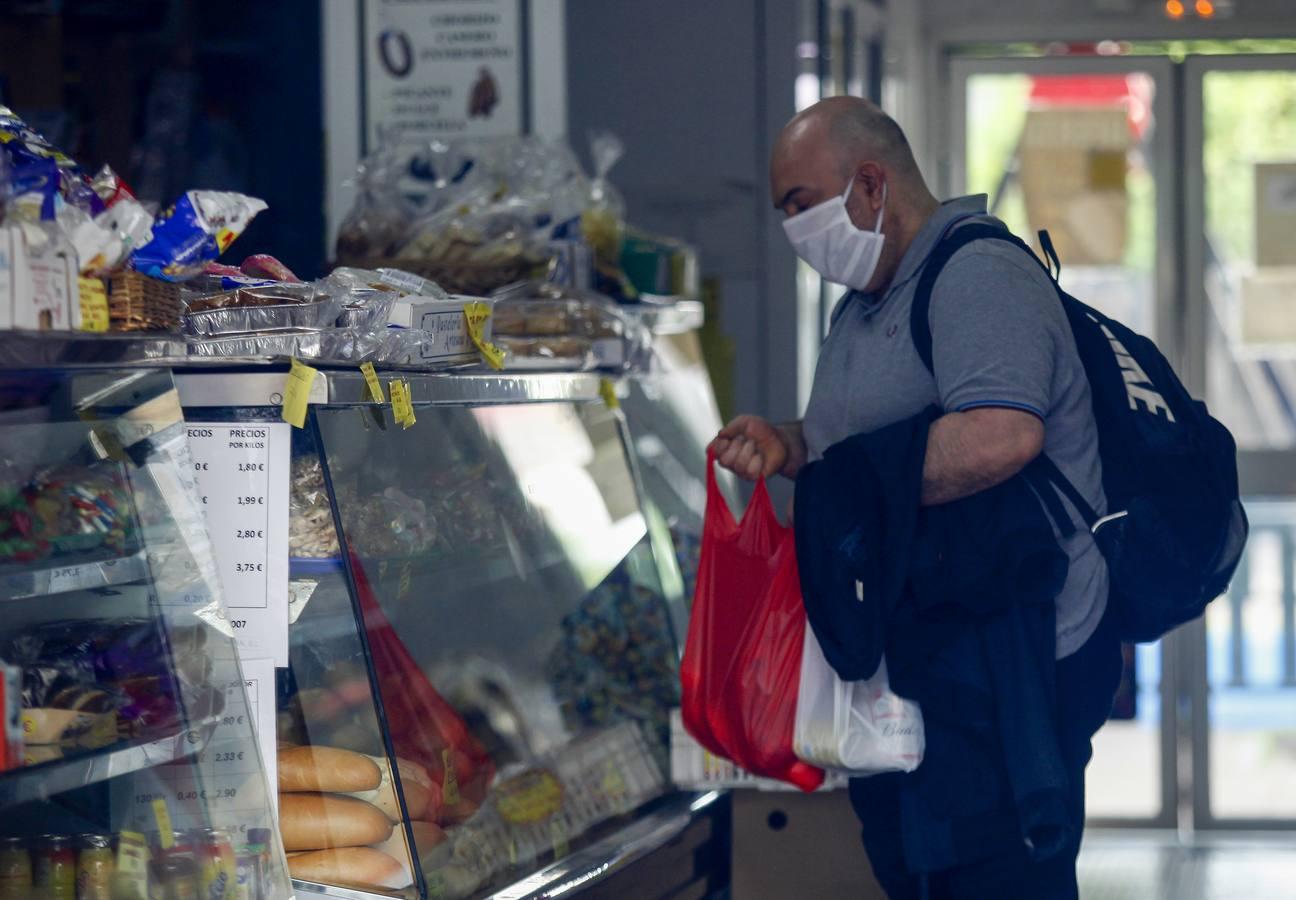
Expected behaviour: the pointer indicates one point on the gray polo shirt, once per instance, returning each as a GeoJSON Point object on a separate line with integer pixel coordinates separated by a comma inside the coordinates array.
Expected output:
{"type": "Point", "coordinates": [999, 338]}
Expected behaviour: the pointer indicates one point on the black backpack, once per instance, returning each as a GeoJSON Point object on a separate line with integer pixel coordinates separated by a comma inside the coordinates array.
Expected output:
{"type": "Point", "coordinates": [1176, 529]}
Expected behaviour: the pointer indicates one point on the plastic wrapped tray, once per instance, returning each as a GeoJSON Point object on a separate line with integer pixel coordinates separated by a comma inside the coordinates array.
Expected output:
{"type": "Point", "coordinates": [559, 354]}
{"type": "Point", "coordinates": [243, 320]}
{"type": "Point", "coordinates": [335, 345]}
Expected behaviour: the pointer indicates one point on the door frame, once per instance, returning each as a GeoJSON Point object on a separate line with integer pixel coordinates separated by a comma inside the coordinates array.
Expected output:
{"type": "Point", "coordinates": [1262, 473]}
{"type": "Point", "coordinates": [1167, 315]}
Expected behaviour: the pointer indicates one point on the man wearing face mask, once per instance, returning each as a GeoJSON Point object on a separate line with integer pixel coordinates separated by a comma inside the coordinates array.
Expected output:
{"type": "Point", "coordinates": [1007, 379]}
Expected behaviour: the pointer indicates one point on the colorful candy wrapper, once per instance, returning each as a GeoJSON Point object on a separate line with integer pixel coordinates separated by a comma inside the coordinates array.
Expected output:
{"type": "Point", "coordinates": [196, 230]}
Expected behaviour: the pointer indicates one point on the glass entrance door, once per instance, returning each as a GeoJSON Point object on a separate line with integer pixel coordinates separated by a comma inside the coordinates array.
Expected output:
{"type": "Point", "coordinates": [1084, 147]}
{"type": "Point", "coordinates": [1240, 191]}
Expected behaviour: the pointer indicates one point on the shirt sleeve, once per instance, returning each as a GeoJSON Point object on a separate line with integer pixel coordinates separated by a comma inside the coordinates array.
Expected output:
{"type": "Point", "coordinates": [996, 330]}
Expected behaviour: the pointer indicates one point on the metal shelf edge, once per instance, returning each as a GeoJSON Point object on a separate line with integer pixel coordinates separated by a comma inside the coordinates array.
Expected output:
{"type": "Point", "coordinates": [49, 580]}
{"type": "Point", "coordinates": [50, 779]}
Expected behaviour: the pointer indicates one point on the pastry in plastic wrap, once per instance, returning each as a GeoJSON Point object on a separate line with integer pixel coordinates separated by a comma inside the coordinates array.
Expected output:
{"type": "Point", "coordinates": [310, 518]}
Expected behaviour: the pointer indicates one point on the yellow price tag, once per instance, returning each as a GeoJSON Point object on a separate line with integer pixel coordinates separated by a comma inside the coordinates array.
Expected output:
{"type": "Point", "coordinates": [297, 393]}
{"type": "Point", "coordinates": [402, 407]}
{"type": "Point", "coordinates": [94, 304]}
{"type": "Point", "coordinates": [162, 815]}
{"type": "Point", "coordinates": [130, 877]}
{"type": "Point", "coordinates": [449, 781]}
{"type": "Point", "coordinates": [373, 387]}
{"type": "Point", "coordinates": [607, 390]}
{"type": "Point", "coordinates": [476, 315]}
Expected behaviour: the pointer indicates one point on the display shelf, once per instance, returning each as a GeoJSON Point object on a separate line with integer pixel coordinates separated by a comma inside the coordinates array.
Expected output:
{"type": "Point", "coordinates": [48, 779]}
{"type": "Point", "coordinates": [79, 349]}
{"type": "Point", "coordinates": [63, 579]}
{"type": "Point", "coordinates": [263, 386]}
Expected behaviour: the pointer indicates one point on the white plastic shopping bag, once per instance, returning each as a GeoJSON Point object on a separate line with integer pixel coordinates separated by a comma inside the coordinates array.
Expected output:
{"type": "Point", "coordinates": [858, 727]}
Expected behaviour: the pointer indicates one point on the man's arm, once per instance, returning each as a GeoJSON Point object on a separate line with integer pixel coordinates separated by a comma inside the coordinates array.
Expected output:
{"type": "Point", "coordinates": [969, 452]}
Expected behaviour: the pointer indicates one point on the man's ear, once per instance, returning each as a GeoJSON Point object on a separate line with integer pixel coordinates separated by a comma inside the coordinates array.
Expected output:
{"type": "Point", "coordinates": [871, 177]}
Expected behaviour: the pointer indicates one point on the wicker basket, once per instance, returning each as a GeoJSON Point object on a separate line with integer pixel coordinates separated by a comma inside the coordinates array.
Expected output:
{"type": "Point", "coordinates": [139, 303]}
{"type": "Point", "coordinates": [474, 279]}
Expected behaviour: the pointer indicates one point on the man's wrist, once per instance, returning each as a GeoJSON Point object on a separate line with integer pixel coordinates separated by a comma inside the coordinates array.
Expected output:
{"type": "Point", "coordinates": [794, 445]}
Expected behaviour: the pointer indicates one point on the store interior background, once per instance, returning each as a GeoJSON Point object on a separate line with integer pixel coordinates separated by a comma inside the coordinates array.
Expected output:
{"type": "Point", "coordinates": [263, 97]}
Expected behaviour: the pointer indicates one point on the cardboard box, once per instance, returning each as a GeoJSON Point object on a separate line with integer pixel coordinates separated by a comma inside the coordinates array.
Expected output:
{"type": "Point", "coordinates": [444, 331]}
{"type": "Point", "coordinates": [45, 293]}
{"type": "Point", "coordinates": [1275, 214]}
{"type": "Point", "coordinates": [1073, 165]}
{"type": "Point", "coordinates": [1268, 308]}
{"type": "Point", "coordinates": [7, 276]}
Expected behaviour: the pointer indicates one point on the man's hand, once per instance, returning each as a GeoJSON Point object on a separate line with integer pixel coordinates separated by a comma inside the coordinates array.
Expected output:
{"type": "Point", "coordinates": [752, 448]}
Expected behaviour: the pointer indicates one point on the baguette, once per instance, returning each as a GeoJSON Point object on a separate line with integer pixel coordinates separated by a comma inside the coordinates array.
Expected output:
{"type": "Point", "coordinates": [351, 867]}
{"type": "Point", "coordinates": [326, 769]}
{"type": "Point", "coordinates": [325, 821]}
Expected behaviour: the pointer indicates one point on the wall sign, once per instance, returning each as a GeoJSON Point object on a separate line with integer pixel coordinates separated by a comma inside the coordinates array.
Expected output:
{"type": "Point", "coordinates": [442, 69]}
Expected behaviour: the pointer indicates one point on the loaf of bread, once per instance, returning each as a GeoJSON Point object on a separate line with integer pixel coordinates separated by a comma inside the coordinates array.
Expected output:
{"type": "Point", "coordinates": [326, 769]}
{"type": "Point", "coordinates": [324, 821]}
{"type": "Point", "coordinates": [427, 837]}
{"type": "Point", "coordinates": [415, 782]}
{"type": "Point", "coordinates": [360, 867]}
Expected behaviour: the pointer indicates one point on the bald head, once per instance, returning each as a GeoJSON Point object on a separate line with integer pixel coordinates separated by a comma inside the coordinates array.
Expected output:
{"type": "Point", "coordinates": [843, 141]}
{"type": "Point", "coordinates": [839, 133]}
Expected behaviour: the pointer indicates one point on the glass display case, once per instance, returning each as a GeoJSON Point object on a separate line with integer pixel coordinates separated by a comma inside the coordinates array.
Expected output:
{"type": "Point", "coordinates": [129, 767]}
{"type": "Point", "coordinates": [484, 645]}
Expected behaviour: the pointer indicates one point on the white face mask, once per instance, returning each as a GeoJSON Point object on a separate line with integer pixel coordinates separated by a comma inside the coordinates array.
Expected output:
{"type": "Point", "coordinates": [826, 238]}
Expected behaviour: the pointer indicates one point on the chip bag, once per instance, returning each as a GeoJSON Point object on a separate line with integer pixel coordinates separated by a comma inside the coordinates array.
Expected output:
{"type": "Point", "coordinates": [196, 230]}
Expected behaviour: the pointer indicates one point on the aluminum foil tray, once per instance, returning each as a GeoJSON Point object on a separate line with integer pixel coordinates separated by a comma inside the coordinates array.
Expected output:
{"type": "Point", "coordinates": [245, 320]}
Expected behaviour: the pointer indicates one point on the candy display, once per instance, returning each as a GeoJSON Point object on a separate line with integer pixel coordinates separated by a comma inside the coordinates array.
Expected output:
{"type": "Point", "coordinates": [617, 660]}
{"type": "Point", "coordinates": [118, 669]}
{"type": "Point", "coordinates": [64, 511]}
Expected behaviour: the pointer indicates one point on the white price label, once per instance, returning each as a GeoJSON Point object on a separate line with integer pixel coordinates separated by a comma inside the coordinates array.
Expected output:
{"type": "Point", "coordinates": [241, 470]}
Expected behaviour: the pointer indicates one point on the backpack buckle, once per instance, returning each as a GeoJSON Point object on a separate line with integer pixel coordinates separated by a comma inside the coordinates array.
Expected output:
{"type": "Point", "coordinates": [1108, 518]}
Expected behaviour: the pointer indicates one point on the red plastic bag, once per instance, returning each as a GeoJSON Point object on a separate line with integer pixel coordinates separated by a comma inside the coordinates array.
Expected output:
{"type": "Point", "coordinates": [424, 728]}
{"type": "Point", "coordinates": [742, 658]}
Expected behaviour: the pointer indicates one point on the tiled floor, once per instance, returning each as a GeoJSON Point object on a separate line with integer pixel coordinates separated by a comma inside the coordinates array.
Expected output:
{"type": "Point", "coordinates": [1129, 867]}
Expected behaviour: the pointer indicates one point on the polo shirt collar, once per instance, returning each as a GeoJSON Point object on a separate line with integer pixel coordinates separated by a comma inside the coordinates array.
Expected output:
{"type": "Point", "coordinates": [923, 243]}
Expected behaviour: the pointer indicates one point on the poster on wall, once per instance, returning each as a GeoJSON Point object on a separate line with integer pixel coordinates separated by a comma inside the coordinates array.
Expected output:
{"type": "Point", "coordinates": [441, 69]}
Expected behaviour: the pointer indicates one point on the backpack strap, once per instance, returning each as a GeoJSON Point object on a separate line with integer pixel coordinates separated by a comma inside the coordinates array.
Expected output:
{"type": "Point", "coordinates": [1046, 244]}
{"type": "Point", "coordinates": [956, 240]}
{"type": "Point", "coordinates": [1041, 472]}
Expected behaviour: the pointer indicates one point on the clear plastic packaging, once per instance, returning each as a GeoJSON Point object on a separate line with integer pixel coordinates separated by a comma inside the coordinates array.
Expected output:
{"type": "Point", "coordinates": [335, 345]}
{"type": "Point", "coordinates": [603, 219]}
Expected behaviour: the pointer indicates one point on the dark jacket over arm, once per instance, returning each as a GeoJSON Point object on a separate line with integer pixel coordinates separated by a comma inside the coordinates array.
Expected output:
{"type": "Point", "coordinates": [960, 599]}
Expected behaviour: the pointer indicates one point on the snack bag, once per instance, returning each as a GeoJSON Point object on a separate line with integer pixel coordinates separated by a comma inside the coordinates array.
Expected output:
{"type": "Point", "coordinates": [197, 229]}
{"type": "Point", "coordinates": [603, 221]}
